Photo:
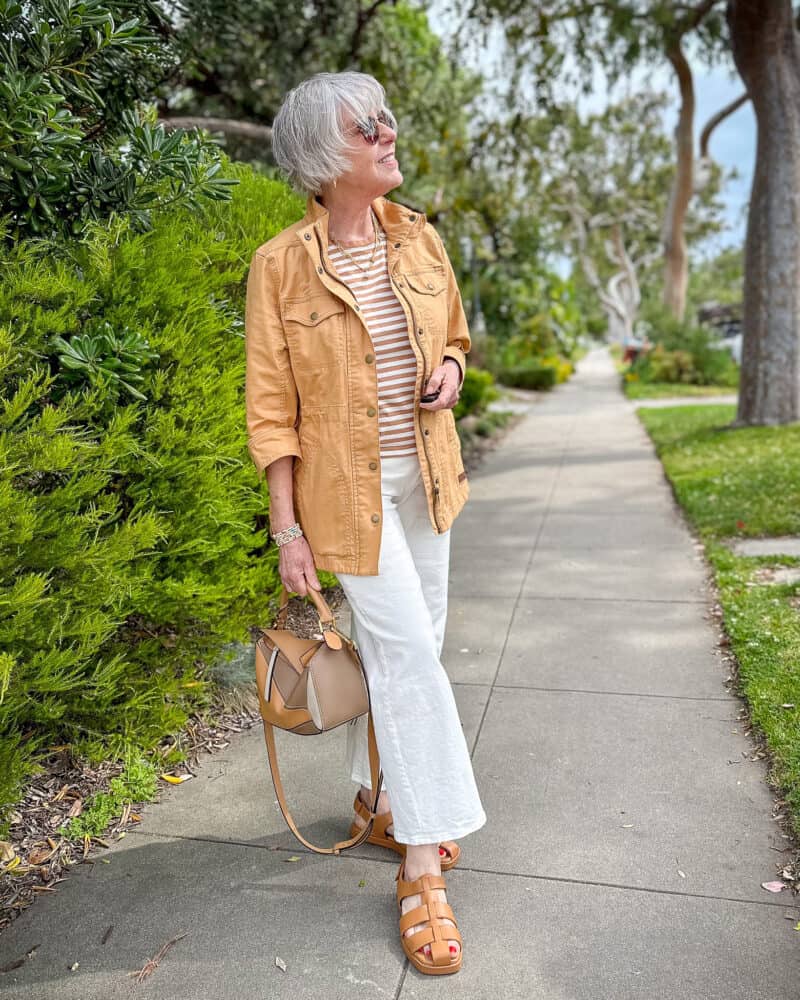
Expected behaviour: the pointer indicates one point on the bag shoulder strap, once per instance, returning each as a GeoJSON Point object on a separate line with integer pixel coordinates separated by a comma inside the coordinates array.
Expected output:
{"type": "Point", "coordinates": [376, 778]}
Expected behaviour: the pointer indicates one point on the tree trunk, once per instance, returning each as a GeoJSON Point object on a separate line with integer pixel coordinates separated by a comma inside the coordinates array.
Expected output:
{"type": "Point", "coordinates": [767, 54]}
{"type": "Point", "coordinates": [676, 267]}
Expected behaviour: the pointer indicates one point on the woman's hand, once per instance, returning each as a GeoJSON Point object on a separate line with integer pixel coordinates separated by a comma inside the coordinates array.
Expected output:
{"type": "Point", "coordinates": [447, 375]}
{"type": "Point", "coordinates": [296, 567]}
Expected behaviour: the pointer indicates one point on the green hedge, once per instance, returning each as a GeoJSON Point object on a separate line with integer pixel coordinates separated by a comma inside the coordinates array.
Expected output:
{"type": "Point", "coordinates": [131, 522]}
{"type": "Point", "coordinates": [529, 376]}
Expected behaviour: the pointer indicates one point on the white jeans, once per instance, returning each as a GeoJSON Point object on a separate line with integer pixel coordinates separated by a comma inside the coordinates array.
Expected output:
{"type": "Point", "coordinates": [398, 625]}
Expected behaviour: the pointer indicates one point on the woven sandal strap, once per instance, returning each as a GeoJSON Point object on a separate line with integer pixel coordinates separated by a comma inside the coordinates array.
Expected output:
{"type": "Point", "coordinates": [419, 885]}
{"type": "Point", "coordinates": [433, 913]}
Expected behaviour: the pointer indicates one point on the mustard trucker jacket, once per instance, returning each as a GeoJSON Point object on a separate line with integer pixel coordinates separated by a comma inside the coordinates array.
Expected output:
{"type": "Point", "coordinates": [311, 388]}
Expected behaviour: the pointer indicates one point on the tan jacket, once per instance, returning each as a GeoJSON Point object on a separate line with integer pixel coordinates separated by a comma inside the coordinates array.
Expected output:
{"type": "Point", "coordinates": [311, 386]}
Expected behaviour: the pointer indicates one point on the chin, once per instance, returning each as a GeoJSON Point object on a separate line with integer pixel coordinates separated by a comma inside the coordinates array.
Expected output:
{"type": "Point", "coordinates": [395, 180]}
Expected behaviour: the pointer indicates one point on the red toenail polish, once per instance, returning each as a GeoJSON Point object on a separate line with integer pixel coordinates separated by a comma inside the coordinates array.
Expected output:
{"type": "Point", "coordinates": [453, 949]}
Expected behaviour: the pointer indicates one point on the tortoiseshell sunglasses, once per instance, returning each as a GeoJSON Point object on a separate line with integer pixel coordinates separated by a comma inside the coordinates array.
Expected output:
{"type": "Point", "coordinates": [369, 128]}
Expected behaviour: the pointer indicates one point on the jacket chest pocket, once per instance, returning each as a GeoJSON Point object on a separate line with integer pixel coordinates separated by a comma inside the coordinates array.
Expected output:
{"type": "Point", "coordinates": [428, 287]}
{"type": "Point", "coordinates": [314, 330]}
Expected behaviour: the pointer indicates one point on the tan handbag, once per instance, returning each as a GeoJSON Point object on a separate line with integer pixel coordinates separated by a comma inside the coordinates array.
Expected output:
{"type": "Point", "coordinates": [310, 686]}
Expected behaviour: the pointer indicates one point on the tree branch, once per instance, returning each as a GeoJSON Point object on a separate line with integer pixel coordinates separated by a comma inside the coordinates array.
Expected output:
{"type": "Point", "coordinates": [241, 130]}
{"type": "Point", "coordinates": [715, 120]}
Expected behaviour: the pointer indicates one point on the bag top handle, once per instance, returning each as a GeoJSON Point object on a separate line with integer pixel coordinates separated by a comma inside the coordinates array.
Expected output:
{"type": "Point", "coordinates": [327, 622]}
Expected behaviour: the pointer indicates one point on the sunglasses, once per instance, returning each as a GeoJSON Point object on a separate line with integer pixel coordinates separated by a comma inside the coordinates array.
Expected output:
{"type": "Point", "coordinates": [369, 128]}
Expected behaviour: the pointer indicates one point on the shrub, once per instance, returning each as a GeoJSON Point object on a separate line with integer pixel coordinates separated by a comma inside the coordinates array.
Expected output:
{"type": "Point", "coordinates": [477, 391]}
{"type": "Point", "coordinates": [529, 376]}
{"type": "Point", "coordinates": [75, 144]}
{"type": "Point", "coordinates": [683, 353]}
{"type": "Point", "coordinates": [131, 520]}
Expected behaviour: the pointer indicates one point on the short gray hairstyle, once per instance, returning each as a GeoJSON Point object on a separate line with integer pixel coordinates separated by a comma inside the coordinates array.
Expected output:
{"type": "Point", "coordinates": [308, 135]}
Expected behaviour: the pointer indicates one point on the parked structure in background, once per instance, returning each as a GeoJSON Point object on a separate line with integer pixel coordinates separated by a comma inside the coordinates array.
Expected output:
{"type": "Point", "coordinates": [726, 321]}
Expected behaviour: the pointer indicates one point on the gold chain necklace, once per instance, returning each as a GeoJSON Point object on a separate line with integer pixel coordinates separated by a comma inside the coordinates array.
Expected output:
{"type": "Point", "coordinates": [374, 246]}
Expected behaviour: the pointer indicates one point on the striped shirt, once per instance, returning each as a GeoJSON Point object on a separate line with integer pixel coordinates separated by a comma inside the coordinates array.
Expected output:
{"type": "Point", "coordinates": [395, 362]}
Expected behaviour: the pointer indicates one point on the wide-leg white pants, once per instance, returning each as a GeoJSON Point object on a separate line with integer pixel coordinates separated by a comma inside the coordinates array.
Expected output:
{"type": "Point", "coordinates": [398, 625]}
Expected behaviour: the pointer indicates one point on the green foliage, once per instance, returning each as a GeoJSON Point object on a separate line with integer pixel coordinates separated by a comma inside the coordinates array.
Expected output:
{"type": "Point", "coordinates": [131, 535]}
{"type": "Point", "coordinates": [531, 375]}
{"type": "Point", "coordinates": [716, 279]}
{"type": "Point", "coordinates": [477, 391]}
{"type": "Point", "coordinates": [746, 481]}
{"type": "Point", "coordinates": [683, 353]}
{"type": "Point", "coordinates": [137, 783]}
{"type": "Point", "coordinates": [74, 144]}
{"type": "Point", "coordinates": [107, 360]}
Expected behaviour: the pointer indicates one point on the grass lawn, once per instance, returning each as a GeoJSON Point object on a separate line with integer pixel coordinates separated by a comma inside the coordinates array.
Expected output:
{"type": "Point", "coordinates": [746, 482]}
{"type": "Point", "coordinates": [660, 390]}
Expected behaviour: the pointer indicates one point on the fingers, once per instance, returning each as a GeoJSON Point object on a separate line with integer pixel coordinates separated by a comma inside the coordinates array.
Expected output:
{"type": "Point", "coordinates": [296, 569]}
{"type": "Point", "coordinates": [445, 377]}
{"type": "Point", "coordinates": [447, 398]}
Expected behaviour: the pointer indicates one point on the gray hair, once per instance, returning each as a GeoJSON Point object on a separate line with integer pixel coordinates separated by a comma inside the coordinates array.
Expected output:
{"type": "Point", "coordinates": [308, 135]}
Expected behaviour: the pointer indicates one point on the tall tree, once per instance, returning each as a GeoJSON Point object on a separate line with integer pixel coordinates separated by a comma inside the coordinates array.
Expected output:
{"type": "Point", "coordinates": [766, 48]}
{"type": "Point", "coordinates": [619, 35]}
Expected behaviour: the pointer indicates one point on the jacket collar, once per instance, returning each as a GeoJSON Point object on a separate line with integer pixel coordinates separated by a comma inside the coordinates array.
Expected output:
{"type": "Point", "coordinates": [399, 222]}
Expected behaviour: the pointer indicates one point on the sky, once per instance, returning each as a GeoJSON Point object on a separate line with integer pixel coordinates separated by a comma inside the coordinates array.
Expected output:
{"type": "Point", "coordinates": [733, 142]}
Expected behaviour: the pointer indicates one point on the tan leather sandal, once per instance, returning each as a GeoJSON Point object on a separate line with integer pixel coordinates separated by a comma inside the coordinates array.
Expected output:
{"type": "Point", "coordinates": [380, 837]}
{"type": "Point", "coordinates": [436, 933]}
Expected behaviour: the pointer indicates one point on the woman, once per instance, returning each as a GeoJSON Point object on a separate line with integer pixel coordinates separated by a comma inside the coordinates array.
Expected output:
{"type": "Point", "coordinates": [356, 341]}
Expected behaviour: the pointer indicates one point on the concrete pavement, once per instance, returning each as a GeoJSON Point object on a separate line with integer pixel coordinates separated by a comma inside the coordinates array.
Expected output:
{"type": "Point", "coordinates": [628, 832]}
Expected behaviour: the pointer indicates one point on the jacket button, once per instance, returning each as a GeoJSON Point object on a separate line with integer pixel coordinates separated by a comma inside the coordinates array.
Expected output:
{"type": "Point", "coordinates": [308, 236]}
{"type": "Point", "coordinates": [397, 246]}
{"type": "Point", "coordinates": [376, 518]}
{"type": "Point", "coordinates": [319, 270]}
{"type": "Point", "coordinates": [314, 315]}
{"type": "Point", "coordinates": [373, 465]}
{"type": "Point", "coordinates": [357, 308]}
{"type": "Point", "coordinates": [426, 432]}
{"type": "Point", "coordinates": [420, 333]}
{"type": "Point", "coordinates": [369, 358]}
{"type": "Point", "coordinates": [371, 411]}
{"type": "Point", "coordinates": [399, 284]}
{"type": "Point", "coordinates": [412, 218]}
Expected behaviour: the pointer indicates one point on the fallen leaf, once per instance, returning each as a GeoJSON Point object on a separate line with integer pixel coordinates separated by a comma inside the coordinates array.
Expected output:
{"type": "Point", "coordinates": [175, 779]}
{"type": "Point", "coordinates": [7, 851]}
{"type": "Point", "coordinates": [280, 963]}
{"type": "Point", "coordinates": [75, 809]}
{"type": "Point", "coordinates": [773, 886]}
{"type": "Point", "coordinates": [39, 855]}
{"type": "Point", "coordinates": [361, 884]}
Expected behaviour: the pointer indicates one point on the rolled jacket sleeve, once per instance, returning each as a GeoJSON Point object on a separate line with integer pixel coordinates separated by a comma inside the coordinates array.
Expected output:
{"type": "Point", "coordinates": [458, 338]}
{"type": "Point", "coordinates": [270, 390]}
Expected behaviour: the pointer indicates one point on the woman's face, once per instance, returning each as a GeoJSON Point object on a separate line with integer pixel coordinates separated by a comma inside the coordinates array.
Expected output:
{"type": "Point", "coordinates": [373, 168]}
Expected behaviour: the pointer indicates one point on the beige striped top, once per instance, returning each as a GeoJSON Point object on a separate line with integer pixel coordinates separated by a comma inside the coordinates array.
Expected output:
{"type": "Point", "coordinates": [395, 362]}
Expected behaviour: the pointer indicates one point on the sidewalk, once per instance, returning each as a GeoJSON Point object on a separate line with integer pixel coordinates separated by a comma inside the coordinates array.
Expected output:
{"type": "Point", "coordinates": [628, 831]}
